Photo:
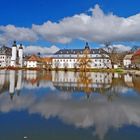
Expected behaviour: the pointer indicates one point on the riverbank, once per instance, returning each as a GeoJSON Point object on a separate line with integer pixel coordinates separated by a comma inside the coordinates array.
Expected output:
{"type": "Point", "coordinates": [119, 70]}
{"type": "Point", "coordinates": [74, 70]}
{"type": "Point", "coordinates": [133, 72]}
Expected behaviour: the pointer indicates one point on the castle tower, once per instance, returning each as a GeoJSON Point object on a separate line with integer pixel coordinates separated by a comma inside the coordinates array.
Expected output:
{"type": "Point", "coordinates": [14, 55]}
{"type": "Point", "coordinates": [20, 54]}
{"type": "Point", "coordinates": [87, 46]}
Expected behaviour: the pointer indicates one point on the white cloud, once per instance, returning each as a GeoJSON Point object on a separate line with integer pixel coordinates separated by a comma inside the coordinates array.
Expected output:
{"type": "Point", "coordinates": [11, 32]}
{"type": "Point", "coordinates": [121, 47]}
{"type": "Point", "coordinates": [42, 50]}
{"type": "Point", "coordinates": [98, 27]}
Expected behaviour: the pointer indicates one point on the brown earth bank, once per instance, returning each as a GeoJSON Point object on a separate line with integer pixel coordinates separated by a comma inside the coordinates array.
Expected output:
{"type": "Point", "coordinates": [119, 70]}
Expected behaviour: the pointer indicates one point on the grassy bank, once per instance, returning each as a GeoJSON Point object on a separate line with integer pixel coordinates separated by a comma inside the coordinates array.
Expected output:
{"type": "Point", "coordinates": [74, 70]}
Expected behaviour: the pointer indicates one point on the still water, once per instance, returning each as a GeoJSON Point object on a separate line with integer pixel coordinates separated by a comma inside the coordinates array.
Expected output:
{"type": "Point", "coordinates": [69, 106]}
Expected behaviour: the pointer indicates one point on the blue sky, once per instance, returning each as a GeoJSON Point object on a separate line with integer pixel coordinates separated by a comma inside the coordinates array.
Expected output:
{"type": "Point", "coordinates": [25, 13]}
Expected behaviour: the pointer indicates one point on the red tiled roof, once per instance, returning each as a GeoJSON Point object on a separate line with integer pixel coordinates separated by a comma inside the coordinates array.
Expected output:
{"type": "Point", "coordinates": [34, 58]}
{"type": "Point", "coordinates": [137, 52]}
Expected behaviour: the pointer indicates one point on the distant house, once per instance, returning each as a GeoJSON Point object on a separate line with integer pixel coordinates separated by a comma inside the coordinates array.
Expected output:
{"type": "Point", "coordinates": [68, 58]}
{"type": "Point", "coordinates": [5, 56]}
{"type": "Point", "coordinates": [127, 62]}
{"type": "Point", "coordinates": [34, 62]}
{"type": "Point", "coordinates": [136, 59]}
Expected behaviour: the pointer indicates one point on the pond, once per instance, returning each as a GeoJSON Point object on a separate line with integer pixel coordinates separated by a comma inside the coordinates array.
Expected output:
{"type": "Point", "coordinates": [67, 105]}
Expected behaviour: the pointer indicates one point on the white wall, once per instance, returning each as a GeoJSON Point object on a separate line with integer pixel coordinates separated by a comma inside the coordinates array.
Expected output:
{"type": "Point", "coordinates": [126, 62]}
{"type": "Point", "coordinates": [96, 63]}
{"type": "Point", "coordinates": [31, 64]}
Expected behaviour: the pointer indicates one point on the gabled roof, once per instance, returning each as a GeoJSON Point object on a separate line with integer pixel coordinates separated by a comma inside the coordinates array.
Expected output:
{"type": "Point", "coordinates": [80, 51]}
{"type": "Point", "coordinates": [137, 52]}
{"type": "Point", "coordinates": [128, 57]}
{"type": "Point", "coordinates": [34, 58]}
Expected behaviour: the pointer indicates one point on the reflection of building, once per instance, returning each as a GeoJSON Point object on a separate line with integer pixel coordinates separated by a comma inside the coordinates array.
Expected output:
{"type": "Point", "coordinates": [12, 80]}
{"type": "Point", "coordinates": [19, 81]}
{"type": "Point", "coordinates": [128, 79]}
{"type": "Point", "coordinates": [70, 80]}
{"type": "Point", "coordinates": [15, 82]}
{"type": "Point", "coordinates": [68, 58]}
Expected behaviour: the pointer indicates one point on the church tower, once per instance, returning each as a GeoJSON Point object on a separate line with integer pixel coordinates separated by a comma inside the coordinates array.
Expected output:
{"type": "Point", "coordinates": [14, 55]}
{"type": "Point", "coordinates": [20, 54]}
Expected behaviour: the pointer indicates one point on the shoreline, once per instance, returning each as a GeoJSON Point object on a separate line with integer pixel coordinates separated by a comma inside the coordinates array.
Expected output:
{"type": "Point", "coordinates": [119, 70]}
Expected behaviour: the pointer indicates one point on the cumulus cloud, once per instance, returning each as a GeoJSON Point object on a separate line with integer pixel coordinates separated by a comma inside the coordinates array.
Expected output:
{"type": "Point", "coordinates": [11, 32]}
{"type": "Point", "coordinates": [98, 27]}
{"type": "Point", "coordinates": [119, 47]}
{"type": "Point", "coordinates": [42, 50]}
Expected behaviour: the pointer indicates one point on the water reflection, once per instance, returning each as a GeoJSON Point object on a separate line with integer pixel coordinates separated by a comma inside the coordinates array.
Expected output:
{"type": "Point", "coordinates": [51, 95]}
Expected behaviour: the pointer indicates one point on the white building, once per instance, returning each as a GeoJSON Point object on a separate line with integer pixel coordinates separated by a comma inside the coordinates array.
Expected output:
{"type": "Point", "coordinates": [5, 56]}
{"type": "Point", "coordinates": [68, 58]}
{"type": "Point", "coordinates": [17, 56]}
{"type": "Point", "coordinates": [127, 61]}
{"type": "Point", "coordinates": [33, 62]}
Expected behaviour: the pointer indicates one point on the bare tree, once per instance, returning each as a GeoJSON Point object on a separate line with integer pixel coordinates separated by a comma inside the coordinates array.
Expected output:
{"type": "Point", "coordinates": [114, 54]}
{"type": "Point", "coordinates": [84, 62]}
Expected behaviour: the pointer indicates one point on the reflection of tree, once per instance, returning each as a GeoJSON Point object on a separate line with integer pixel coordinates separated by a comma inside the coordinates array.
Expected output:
{"type": "Point", "coordinates": [84, 62]}
{"type": "Point", "coordinates": [116, 89]}
{"type": "Point", "coordinates": [84, 80]}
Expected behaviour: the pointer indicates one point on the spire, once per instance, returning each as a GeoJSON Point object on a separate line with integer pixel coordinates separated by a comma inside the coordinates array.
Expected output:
{"type": "Point", "coordinates": [20, 47]}
{"type": "Point", "coordinates": [14, 44]}
{"type": "Point", "coordinates": [87, 46]}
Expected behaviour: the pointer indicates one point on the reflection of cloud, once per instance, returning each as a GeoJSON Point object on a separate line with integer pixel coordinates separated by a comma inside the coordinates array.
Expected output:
{"type": "Point", "coordinates": [82, 113]}
{"type": "Point", "coordinates": [42, 84]}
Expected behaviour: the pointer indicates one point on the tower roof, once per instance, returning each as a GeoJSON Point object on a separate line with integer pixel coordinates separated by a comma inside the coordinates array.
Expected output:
{"type": "Point", "coordinates": [20, 47]}
{"type": "Point", "coordinates": [87, 46]}
{"type": "Point", "coordinates": [14, 44]}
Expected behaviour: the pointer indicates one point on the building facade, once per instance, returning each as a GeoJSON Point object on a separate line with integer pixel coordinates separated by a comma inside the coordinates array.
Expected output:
{"type": "Point", "coordinates": [136, 59]}
{"type": "Point", "coordinates": [68, 58]}
{"type": "Point", "coordinates": [5, 56]}
{"type": "Point", "coordinates": [34, 62]}
{"type": "Point", "coordinates": [127, 62]}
